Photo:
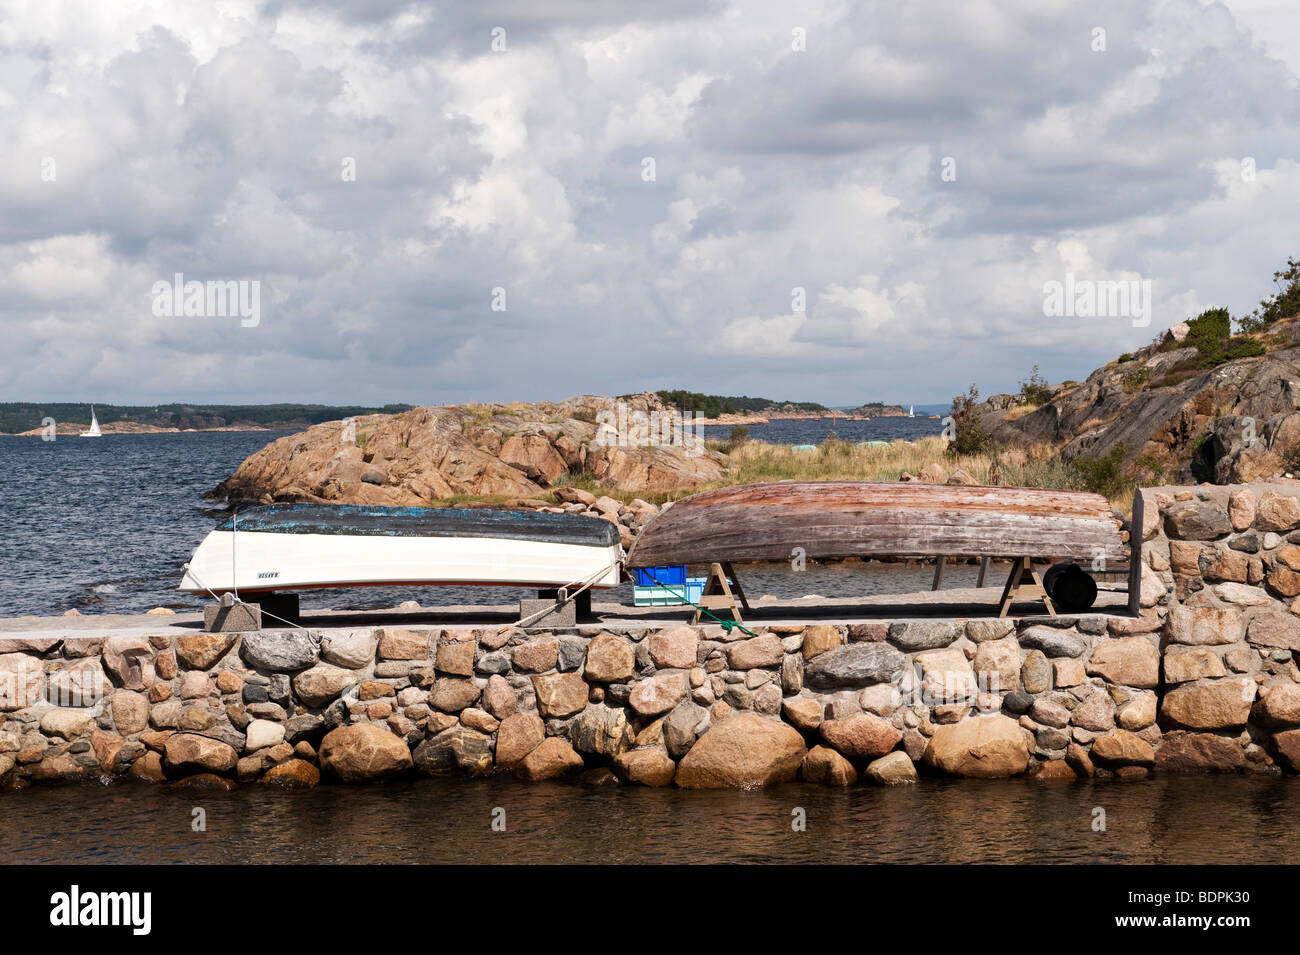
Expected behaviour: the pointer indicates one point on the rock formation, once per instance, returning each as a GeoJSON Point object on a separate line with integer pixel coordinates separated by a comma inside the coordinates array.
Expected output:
{"type": "Point", "coordinates": [427, 455]}
{"type": "Point", "coordinates": [1237, 422]}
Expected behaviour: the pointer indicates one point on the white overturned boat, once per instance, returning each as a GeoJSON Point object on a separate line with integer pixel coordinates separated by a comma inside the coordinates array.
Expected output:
{"type": "Point", "coordinates": [307, 546]}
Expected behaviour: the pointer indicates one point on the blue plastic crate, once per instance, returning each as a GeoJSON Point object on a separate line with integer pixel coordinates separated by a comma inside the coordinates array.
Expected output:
{"type": "Point", "coordinates": [674, 576]}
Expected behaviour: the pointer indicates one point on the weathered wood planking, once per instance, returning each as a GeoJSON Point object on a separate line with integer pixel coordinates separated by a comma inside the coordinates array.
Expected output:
{"type": "Point", "coordinates": [867, 519]}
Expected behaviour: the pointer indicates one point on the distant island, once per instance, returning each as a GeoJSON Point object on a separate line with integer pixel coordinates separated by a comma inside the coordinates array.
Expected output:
{"type": "Point", "coordinates": [742, 409]}
{"type": "Point", "coordinates": [24, 418]}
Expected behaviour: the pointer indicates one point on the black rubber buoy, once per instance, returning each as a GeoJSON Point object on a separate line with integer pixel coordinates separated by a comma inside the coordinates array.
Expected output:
{"type": "Point", "coordinates": [1071, 588]}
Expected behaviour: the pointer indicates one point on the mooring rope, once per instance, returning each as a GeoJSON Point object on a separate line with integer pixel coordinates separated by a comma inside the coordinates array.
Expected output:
{"type": "Point", "coordinates": [585, 582]}
{"type": "Point", "coordinates": [727, 625]}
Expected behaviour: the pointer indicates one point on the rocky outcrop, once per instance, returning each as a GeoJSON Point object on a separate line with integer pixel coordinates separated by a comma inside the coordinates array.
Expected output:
{"type": "Point", "coordinates": [1237, 422]}
{"type": "Point", "coordinates": [426, 455]}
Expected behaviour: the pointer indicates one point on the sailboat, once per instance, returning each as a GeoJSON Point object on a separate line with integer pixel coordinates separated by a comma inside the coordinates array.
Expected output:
{"type": "Point", "coordinates": [94, 431]}
{"type": "Point", "coordinates": [911, 411]}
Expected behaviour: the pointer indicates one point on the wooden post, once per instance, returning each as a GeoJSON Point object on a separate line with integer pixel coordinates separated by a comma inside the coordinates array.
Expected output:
{"type": "Point", "coordinates": [1135, 552]}
{"type": "Point", "coordinates": [984, 569]}
{"type": "Point", "coordinates": [938, 572]}
{"type": "Point", "coordinates": [735, 582]}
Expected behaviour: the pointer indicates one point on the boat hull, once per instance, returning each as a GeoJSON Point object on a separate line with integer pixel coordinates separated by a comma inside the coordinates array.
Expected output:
{"type": "Point", "coordinates": [305, 547]}
{"type": "Point", "coordinates": [831, 519]}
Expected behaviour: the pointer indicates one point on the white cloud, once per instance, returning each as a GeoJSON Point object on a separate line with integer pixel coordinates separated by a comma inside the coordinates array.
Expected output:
{"type": "Point", "coordinates": [210, 140]}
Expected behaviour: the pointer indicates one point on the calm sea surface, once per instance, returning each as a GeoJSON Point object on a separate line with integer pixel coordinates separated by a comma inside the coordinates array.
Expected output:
{"type": "Point", "coordinates": [104, 526]}
{"type": "Point", "coordinates": [1171, 819]}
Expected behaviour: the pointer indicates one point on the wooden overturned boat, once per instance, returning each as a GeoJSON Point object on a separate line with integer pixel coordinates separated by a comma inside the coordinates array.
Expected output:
{"type": "Point", "coordinates": [307, 546]}
{"type": "Point", "coordinates": [834, 519]}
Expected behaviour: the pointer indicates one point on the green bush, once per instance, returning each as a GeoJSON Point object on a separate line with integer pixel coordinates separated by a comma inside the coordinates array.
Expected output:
{"type": "Point", "coordinates": [1035, 388]}
{"type": "Point", "coordinates": [969, 436]}
{"type": "Point", "coordinates": [1124, 357]}
{"type": "Point", "coordinates": [1283, 304]}
{"type": "Point", "coordinates": [1134, 381]}
{"type": "Point", "coordinates": [1241, 348]}
{"type": "Point", "coordinates": [1208, 330]}
{"type": "Point", "coordinates": [1104, 475]}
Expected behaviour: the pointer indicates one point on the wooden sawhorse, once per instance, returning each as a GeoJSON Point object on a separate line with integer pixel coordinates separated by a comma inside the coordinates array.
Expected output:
{"type": "Point", "coordinates": [718, 593]}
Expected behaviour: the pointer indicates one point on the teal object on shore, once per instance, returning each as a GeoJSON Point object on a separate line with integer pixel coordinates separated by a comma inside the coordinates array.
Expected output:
{"type": "Point", "coordinates": [873, 444]}
{"type": "Point", "coordinates": [805, 447]}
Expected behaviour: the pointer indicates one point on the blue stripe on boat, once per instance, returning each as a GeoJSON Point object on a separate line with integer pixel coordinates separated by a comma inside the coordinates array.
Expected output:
{"type": "Point", "coordinates": [363, 520]}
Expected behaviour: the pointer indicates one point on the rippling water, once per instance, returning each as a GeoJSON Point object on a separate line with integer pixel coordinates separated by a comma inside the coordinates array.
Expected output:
{"type": "Point", "coordinates": [1168, 819]}
{"type": "Point", "coordinates": [104, 526]}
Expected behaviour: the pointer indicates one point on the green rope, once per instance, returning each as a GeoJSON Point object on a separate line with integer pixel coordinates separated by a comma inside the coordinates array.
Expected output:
{"type": "Point", "coordinates": [727, 625]}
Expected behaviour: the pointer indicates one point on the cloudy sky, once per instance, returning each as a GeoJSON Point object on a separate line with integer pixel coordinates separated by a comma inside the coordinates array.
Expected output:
{"type": "Point", "coordinates": [450, 202]}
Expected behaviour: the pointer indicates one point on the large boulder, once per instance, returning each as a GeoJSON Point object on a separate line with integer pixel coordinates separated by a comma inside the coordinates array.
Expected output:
{"type": "Point", "coordinates": [744, 751]}
{"type": "Point", "coordinates": [1209, 705]}
{"type": "Point", "coordinates": [554, 757]}
{"type": "Point", "coordinates": [861, 736]}
{"type": "Point", "coordinates": [279, 650]}
{"type": "Point", "coordinates": [682, 726]}
{"type": "Point", "coordinates": [987, 747]}
{"type": "Point", "coordinates": [191, 753]}
{"type": "Point", "coordinates": [560, 694]}
{"type": "Point", "coordinates": [659, 694]}
{"type": "Point", "coordinates": [68, 723]}
{"type": "Point", "coordinates": [674, 648]}
{"type": "Point", "coordinates": [1053, 642]}
{"type": "Point", "coordinates": [610, 659]}
{"type": "Point", "coordinates": [1122, 748]}
{"type": "Point", "coordinates": [1127, 661]}
{"type": "Point", "coordinates": [645, 767]}
{"type": "Point", "coordinates": [350, 649]}
{"type": "Point", "coordinates": [22, 681]}
{"type": "Point", "coordinates": [129, 660]}
{"type": "Point", "coordinates": [202, 651]}
{"type": "Point", "coordinates": [1278, 706]}
{"type": "Point", "coordinates": [517, 736]}
{"type": "Point", "coordinates": [322, 684]}
{"type": "Point", "coordinates": [764, 650]}
{"type": "Point", "coordinates": [363, 751]}
{"type": "Point", "coordinates": [1274, 630]}
{"type": "Point", "coordinates": [1206, 626]}
{"type": "Point", "coordinates": [457, 749]}
{"type": "Point", "coordinates": [824, 765]}
{"type": "Point", "coordinates": [600, 730]}
{"type": "Point", "coordinates": [892, 769]}
{"type": "Point", "coordinates": [1181, 752]}
{"type": "Point", "coordinates": [854, 665]}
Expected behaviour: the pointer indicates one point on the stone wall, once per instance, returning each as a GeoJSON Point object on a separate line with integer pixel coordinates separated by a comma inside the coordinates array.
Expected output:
{"type": "Point", "coordinates": [692, 705]}
{"type": "Point", "coordinates": [1220, 578]}
{"type": "Point", "coordinates": [1200, 678]}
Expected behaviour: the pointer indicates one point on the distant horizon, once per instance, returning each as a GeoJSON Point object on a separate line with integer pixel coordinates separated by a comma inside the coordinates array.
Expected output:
{"type": "Point", "coordinates": [414, 404]}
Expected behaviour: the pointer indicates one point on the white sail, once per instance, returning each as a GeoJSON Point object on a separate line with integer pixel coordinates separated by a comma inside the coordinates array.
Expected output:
{"type": "Point", "coordinates": [94, 431]}
{"type": "Point", "coordinates": [911, 411]}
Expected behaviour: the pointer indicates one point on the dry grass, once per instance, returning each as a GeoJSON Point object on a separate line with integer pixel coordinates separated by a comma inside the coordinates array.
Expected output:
{"type": "Point", "coordinates": [1016, 412]}
{"type": "Point", "coordinates": [753, 462]}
